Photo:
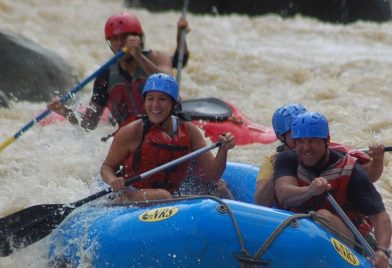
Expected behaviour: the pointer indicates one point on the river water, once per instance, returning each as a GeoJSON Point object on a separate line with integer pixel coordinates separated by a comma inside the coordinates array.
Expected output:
{"type": "Point", "coordinates": [259, 64]}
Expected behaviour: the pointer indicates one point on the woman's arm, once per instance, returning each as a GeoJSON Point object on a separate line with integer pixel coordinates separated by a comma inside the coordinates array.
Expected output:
{"type": "Point", "coordinates": [125, 142]}
{"type": "Point", "coordinates": [212, 166]}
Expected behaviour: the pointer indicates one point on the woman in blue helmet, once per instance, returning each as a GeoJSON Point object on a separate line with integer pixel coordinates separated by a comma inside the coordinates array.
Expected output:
{"type": "Point", "coordinates": [301, 178]}
{"type": "Point", "coordinates": [281, 122]}
{"type": "Point", "coordinates": [157, 139]}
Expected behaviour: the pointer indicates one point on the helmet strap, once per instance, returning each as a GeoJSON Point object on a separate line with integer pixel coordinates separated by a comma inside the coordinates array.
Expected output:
{"type": "Point", "coordinates": [282, 138]}
{"type": "Point", "coordinates": [164, 121]}
{"type": "Point", "coordinates": [107, 41]}
{"type": "Point", "coordinates": [284, 141]}
{"type": "Point", "coordinates": [172, 112]}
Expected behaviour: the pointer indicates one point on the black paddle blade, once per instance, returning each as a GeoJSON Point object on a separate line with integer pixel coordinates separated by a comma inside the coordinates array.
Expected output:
{"type": "Point", "coordinates": [209, 109]}
{"type": "Point", "coordinates": [27, 226]}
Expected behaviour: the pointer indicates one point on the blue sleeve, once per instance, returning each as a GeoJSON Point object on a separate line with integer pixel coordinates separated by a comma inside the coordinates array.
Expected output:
{"type": "Point", "coordinates": [362, 192]}
{"type": "Point", "coordinates": [286, 164]}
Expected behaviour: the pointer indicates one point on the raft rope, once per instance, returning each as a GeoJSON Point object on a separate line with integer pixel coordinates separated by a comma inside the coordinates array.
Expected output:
{"type": "Point", "coordinates": [312, 215]}
{"type": "Point", "coordinates": [244, 257]}
{"type": "Point", "coordinates": [278, 230]}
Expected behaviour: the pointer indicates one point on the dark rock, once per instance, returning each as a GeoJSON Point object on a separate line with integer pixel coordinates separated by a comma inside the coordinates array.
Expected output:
{"type": "Point", "coordinates": [30, 72]}
{"type": "Point", "coordinates": [336, 11]}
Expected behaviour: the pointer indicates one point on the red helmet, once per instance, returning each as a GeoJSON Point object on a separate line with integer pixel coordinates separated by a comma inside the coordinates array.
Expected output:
{"type": "Point", "coordinates": [122, 23]}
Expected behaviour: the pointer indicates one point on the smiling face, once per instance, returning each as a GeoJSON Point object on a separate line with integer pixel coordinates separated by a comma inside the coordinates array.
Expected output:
{"type": "Point", "coordinates": [158, 106]}
{"type": "Point", "coordinates": [311, 150]}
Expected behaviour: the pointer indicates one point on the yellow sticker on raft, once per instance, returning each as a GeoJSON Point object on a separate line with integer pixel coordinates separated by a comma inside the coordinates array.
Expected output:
{"type": "Point", "coordinates": [345, 252]}
{"type": "Point", "coordinates": [158, 214]}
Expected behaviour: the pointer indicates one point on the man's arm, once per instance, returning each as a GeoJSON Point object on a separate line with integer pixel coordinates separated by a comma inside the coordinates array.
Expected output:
{"type": "Point", "coordinates": [382, 232]}
{"type": "Point", "coordinates": [156, 62]}
{"type": "Point", "coordinates": [90, 118]}
{"type": "Point", "coordinates": [265, 192]}
{"type": "Point", "coordinates": [362, 192]}
{"type": "Point", "coordinates": [291, 195]}
{"type": "Point", "coordinates": [376, 166]}
{"type": "Point", "coordinates": [382, 229]}
{"type": "Point", "coordinates": [288, 192]}
{"type": "Point", "coordinates": [182, 25]}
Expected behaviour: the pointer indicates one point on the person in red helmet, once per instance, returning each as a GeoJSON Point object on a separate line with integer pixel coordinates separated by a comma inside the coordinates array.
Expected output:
{"type": "Point", "coordinates": [120, 88]}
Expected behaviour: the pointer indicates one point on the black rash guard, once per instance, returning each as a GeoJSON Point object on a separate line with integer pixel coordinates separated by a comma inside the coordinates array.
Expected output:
{"type": "Point", "coordinates": [360, 190]}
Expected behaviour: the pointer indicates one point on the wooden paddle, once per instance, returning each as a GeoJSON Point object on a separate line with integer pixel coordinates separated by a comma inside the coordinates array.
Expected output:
{"type": "Point", "coordinates": [64, 98]}
{"type": "Point", "coordinates": [30, 225]}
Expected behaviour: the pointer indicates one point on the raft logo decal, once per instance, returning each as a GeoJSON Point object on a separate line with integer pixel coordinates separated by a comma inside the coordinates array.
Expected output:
{"type": "Point", "coordinates": [158, 214]}
{"type": "Point", "coordinates": [345, 252]}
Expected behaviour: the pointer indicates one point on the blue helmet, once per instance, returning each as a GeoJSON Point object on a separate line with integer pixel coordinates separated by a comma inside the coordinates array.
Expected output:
{"type": "Point", "coordinates": [163, 83]}
{"type": "Point", "coordinates": [310, 125]}
{"type": "Point", "coordinates": [283, 117]}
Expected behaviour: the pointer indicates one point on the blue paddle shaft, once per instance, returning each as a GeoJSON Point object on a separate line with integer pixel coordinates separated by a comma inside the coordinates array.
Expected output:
{"type": "Point", "coordinates": [72, 92]}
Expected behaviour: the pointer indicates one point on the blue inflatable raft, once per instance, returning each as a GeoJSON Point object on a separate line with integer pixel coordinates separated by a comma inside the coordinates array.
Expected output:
{"type": "Point", "coordinates": [199, 232]}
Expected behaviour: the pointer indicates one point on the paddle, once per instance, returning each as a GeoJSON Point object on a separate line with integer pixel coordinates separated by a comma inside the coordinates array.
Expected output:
{"type": "Point", "coordinates": [64, 98]}
{"type": "Point", "coordinates": [386, 149]}
{"type": "Point", "coordinates": [350, 225]}
{"type": "Point", "coordinates": [182, 45]}
{"type": "Point", "coordinates": [29, 225]}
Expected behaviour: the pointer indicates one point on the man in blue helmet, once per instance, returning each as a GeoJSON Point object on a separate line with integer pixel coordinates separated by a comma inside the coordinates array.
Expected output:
{"type": "Point", "coordinates": [158, 138]}
{"type": "Point", "coordinates": [281, 122]}
{"type": "Point", "coordinates": [302, 176]}
{"type": "Point", "coordinates": [372, 162]}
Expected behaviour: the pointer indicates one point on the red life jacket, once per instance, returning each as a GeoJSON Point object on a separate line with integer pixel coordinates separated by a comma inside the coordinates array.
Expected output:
{"type": "Point", "coordinates": [363, 158]}
{"type": "Point", "coordinates": [158, 148]}
{"type": "Point", "coordinates": [338, 176]}
{"type": "Point", "coordinates": [125, 97]}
